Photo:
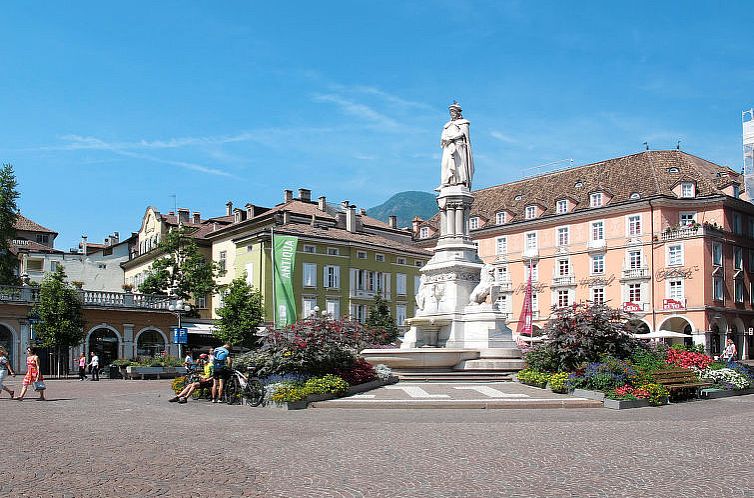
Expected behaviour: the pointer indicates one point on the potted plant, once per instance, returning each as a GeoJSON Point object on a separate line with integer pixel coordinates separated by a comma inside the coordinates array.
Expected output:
{"type": "Point", "coordinates": [78, 284]}
{"type": "Point", "coordinates": [127, 288]}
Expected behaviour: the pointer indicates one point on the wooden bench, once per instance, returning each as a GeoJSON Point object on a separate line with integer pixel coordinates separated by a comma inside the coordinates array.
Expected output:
{"type": "Point", "coordinates": [680, 379]}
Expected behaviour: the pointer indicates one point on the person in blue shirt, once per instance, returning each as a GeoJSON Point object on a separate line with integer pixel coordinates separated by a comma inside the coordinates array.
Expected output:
{"type": "Point", "coordinates": [220, 371]}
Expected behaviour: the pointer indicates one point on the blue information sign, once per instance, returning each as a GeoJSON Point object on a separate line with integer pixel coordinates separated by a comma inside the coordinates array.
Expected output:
{"type": "Point", "coordinates": [180, 335]}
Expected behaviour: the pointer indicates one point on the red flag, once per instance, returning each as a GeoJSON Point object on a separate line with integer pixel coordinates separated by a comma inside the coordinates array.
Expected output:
{"type": "Point", "coordinates": [525, 319]}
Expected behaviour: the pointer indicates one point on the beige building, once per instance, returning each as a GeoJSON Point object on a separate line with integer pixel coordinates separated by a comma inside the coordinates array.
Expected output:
{"type": "Point", "coordinates": [154, 227]}
{"type": "Point", "coordinates": [664, 234]}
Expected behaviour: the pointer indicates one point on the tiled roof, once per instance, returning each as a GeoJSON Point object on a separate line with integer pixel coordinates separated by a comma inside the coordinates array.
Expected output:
{"type": "Point", "coordinates": [301, 208]}
{"type": "Point", "coordinates": [648, 174]}
{"type": "Point", "coordinates": [24, 223]}
{"type": "Point", "coordinates": [341, 235]}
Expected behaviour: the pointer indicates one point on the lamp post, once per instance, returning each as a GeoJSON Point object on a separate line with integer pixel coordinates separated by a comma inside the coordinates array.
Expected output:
{"type": "Point", "coordinates": [179, 308]}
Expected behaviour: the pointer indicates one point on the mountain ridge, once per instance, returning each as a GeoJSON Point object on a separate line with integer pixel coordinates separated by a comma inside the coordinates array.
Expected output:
{"type": "Point", "coordinates": [406, 205]}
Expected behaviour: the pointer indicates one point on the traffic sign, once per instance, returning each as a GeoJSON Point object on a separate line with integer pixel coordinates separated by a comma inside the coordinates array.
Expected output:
{"type": "Point", "coordinates": [180, 335]}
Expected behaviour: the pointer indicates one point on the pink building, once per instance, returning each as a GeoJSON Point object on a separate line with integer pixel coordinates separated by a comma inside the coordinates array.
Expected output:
{"type": "Point", "coordinates": [664, 234]}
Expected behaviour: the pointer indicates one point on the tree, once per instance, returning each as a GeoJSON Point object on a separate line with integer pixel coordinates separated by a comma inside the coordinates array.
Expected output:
{"type": "Point", "coordinates": [182, 271]}
{"type": "Point", "coordinates": [381, 318]}
{"type": "Point", "coordinates": [8, 216]}
{"type": "Point", "coordinates": [61, 320]}
{"type": "Point", "coordinates": [240, 315]}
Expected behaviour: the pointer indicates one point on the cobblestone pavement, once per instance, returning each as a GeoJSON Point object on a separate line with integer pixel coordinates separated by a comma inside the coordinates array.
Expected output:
{"type": "Point", "coordinates": [122, 438]}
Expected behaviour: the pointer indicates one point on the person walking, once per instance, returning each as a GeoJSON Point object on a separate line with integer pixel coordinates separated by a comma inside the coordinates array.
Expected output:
{"type": "Point", "coordinates": [82, 366]}
{"type": "Point", "coordinates": [730, 354]}
{"type": "Point", "coordinates": [33, 375]}
{"type": "Point", "coordinates": [5, 369]}
{"type": "Point", "coordinates": [94, 366]}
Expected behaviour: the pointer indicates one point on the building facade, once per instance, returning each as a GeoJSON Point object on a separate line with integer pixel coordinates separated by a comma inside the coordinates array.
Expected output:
{"type": "Point", "coordinates": [343, 257]}
{"type": "Point", "coordinates": [665, 235]}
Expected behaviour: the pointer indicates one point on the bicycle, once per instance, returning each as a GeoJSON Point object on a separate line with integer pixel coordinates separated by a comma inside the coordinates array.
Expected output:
{"type": "Point", "coordinates": [241, 388]}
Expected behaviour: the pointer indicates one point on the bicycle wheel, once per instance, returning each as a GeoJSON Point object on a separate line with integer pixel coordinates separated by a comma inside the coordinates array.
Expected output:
{"type": "Point", "coordinates": [254, 393]}
{"type": "Point", "coordinates": [232, 391]}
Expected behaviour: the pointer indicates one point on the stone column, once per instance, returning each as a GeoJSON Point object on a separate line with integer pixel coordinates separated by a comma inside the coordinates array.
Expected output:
{"type": "Point", "coordinates": [127, 348]}
{"type": "Point", "coordinates": [21, 344]}
{"type": "Point", "coordinates": [460, 229]}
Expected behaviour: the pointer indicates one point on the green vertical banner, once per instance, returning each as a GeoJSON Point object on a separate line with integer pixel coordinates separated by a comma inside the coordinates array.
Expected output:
{"type": "Point", "coordinates": [285, 261]}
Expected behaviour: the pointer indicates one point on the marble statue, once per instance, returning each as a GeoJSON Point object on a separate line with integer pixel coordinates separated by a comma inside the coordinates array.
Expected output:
{"type": "Point", "coordinates": [457, 160]}
{"type": "Point", "coordinates": [483, 288]}
{"type": "Point", "coordinates": [423, 293]}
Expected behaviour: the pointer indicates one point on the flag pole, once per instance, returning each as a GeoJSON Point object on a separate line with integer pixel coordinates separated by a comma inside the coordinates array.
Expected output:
{"type": "Point", "coordinates": [272, 257]}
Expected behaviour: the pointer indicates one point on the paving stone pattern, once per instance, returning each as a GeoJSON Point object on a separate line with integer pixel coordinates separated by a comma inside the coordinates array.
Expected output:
{"type": "Point", "coordinates": [122, 438]}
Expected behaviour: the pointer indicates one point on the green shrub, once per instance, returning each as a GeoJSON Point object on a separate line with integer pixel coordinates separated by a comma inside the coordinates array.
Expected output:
{"type": "Point", "coordinates": [179, 383]}
{"type": "Point", "coordinates": [542, 359]}
{"type": "Point", "coordinates": [533, 377]}
{"type": "Point", "coordinates": [287, 392]}
{"type": "Point", "coordinates": [558, 382]}
{"type": "Point", "coordinates": [658, 394]}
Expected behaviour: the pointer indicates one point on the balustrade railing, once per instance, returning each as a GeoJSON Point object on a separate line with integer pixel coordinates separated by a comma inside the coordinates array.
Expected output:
{"type": "Point", "coordinates": [30, 295]}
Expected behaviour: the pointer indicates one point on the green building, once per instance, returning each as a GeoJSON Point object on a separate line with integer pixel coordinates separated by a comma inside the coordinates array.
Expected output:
{"type": "Point", "coordinates": [342, 258]}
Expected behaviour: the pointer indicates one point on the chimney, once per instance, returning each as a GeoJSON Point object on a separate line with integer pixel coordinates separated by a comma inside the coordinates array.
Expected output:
{"type": "Point", "coordinates": [305, 195]}
{"type": "Point", "coordinates": [286, 217]}
{"type": "Point", "coordinates": [392, 220]}
{"type": "Point", "coordinates": [228, 208]}
{"type": "Point", "coordinates": [351, 219]}
{"type": "Point", "coordinates": [363, 212]}
{"type": "Point", "coordinates": [83, 243]}
{"type": "Point", "coordinates": [314, 221]}
{"type": "Point", "coordinates": [197, 218]}
{"type": "Point", "coordinates": [344, 204]}
{"type": "Point", "coordinates": [183, 215]}
{"type": "Point", "coordinates": [415, 225]}
{"type": "Point", "coordinates": [238, 215]}
{"type": "Point", "coordinates": [249, 210]}
{"type": "Point", "coordinates": [287, 195]}
{"type": "Point", "coordinates": [322, 203]}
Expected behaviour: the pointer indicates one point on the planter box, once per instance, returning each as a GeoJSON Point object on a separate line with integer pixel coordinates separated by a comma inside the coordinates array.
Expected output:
{"type": "Point", "coordinates": [720, 393]}
{"type": "Point", "coordinates": [623, 404]}
{"type": "Point", "coordinates": [300, 405]}
{"type": "Point", "coordinates": [584, 393]}
{"type": "Point", "coordinates": [158, 372]}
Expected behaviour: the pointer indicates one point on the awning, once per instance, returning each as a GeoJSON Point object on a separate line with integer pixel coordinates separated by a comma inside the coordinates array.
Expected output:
{"type": "Point", "coordinates": [661, 334]}
{"type": "Point", "coordinates": [200, 328]}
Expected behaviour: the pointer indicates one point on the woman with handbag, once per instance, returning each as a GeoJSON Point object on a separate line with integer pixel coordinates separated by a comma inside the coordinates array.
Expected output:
{"type": "Point", "coordinates": [33, 375]}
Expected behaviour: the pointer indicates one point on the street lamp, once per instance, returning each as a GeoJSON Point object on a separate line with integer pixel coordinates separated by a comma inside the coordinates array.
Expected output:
{"type": "Point", "coordinates": [179, 308]}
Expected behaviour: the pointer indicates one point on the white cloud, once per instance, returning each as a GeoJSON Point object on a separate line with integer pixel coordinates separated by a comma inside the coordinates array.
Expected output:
{"type": "Point", "coordinates": [503, 137]}
{"type": "Point", "coordinates": [358, 110]}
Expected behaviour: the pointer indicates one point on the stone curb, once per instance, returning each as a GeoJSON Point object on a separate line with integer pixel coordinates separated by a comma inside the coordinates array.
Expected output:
{"type": "Point", "coordinates": [536, 404]}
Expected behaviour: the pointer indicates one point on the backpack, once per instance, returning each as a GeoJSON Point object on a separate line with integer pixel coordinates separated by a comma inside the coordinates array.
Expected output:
{"type": "Point", "coordinates": [220, 356]}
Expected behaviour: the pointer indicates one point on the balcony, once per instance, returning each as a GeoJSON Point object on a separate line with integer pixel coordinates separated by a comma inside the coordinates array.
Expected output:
{"type": "Point", "coordinates": [641, 273]}
{"type": "Point", "coordinates": [596, 245]}
{"type": "Point", "coordinates": [562, 280]}
{"type": "Point", "coordinates": [103, 299]}
{"type": "Point", "coordinates": [369, 294]}
{"type": "Point", "coordinates": [681, 233]}
{"type": "Point", "coordinates": [504, 285]}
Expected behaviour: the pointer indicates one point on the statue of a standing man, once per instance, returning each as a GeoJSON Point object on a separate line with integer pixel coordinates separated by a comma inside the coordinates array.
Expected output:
{"type": "Point", "coordinates": [457, 161]}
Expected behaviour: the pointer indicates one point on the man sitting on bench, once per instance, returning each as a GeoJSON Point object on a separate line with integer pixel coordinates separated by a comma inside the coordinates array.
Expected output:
{"type": "Point", "coordinates": [204, 382]}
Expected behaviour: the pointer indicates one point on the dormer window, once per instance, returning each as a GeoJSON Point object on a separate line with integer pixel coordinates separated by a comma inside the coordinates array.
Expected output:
{"type": "Point", "coordinates": [530, 212]}
{"type": "Point", "coordinates": [473, 223]}
{"type": "Point", "coordinates": [578, 184]}
{"type": "Point", "coordinates": [500, 218]}
{"type": "Point", "coordinates": [423, 233]}
{"type": "Point", "coordinates": [518, 197]}
{"type": "Point", "coordinates": [687, 189]}
{"type": "Point", "coordinates": [595, 199]}
{"type": "Point", "coordinates": [561, 207]}
{"type": "Point", "coordinates": [635, 195]}
{"type": "Point", "coordinates": [673, 169]}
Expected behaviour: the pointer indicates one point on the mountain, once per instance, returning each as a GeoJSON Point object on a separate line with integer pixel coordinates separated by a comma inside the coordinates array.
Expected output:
{"type": "Point", "coordinates": [406, 205]}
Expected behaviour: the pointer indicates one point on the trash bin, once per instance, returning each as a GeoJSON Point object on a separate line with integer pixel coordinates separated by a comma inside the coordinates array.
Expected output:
{"type": "Point", "coordinates": [113, 372]}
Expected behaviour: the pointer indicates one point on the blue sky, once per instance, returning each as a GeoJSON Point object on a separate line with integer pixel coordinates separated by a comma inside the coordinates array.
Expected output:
{"type": "Point", "coordinates": [108, 108]}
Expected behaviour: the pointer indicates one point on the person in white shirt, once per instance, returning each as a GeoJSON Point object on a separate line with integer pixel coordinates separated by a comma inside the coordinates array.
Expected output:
{"type": "Point", "coordinates": [730, 352]}
{"type": "Point", "coordinates": [94, 366]}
